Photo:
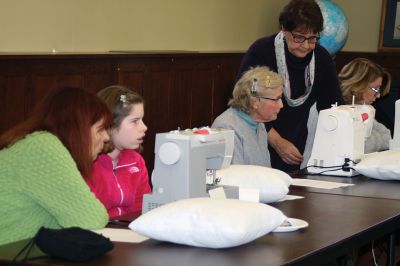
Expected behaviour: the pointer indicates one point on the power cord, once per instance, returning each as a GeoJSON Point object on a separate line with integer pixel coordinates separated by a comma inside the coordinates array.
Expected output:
{"type": "Point", "coordinates": [322, 167]}
{"type": "Point", "coordinates": [345, 167]}
{"type": "Point", "coordinates": [373, 253]}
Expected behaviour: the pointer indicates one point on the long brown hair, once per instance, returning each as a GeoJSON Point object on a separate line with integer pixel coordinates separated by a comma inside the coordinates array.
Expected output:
{"type": "Point", "coordinates": [69, 114]}
{"type": "Point", "coordinates": [120, 100]}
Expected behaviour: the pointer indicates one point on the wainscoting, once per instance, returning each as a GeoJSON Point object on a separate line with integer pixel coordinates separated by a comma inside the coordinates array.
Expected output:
{"type": "Point", "coordinates": [181, 89]}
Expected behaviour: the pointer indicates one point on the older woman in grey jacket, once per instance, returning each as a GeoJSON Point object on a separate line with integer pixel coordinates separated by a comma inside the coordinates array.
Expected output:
{"type": "Point", "coordinates": [256, 99]}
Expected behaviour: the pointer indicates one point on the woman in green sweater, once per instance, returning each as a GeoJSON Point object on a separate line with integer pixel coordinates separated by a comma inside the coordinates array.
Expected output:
{"type": "Point", "coordinates": [42, 164]}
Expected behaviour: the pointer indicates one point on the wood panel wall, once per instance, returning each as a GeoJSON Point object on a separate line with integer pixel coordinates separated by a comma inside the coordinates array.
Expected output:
{"type": "Point", "coordinates": [390, 61]}
{"type": "Point", "coordinates": [183, 90]}
{"type": "Point", "coordinates": [180, 90]}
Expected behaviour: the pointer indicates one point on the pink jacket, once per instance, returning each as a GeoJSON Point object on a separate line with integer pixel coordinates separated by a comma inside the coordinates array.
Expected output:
{"type": "Point", "coordinates": [121, 189]}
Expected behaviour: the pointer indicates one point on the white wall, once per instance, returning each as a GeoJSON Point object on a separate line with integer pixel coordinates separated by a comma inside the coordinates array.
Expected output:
{"type": "Point", "coordinates": [208, 25]}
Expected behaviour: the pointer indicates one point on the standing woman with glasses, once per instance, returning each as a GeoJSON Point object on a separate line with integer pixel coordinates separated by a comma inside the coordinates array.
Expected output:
{"type": "Point", "coordinates": [257, 98]}
{"type": "Point", "coordinates": [367, 81]}
{"type": "Point", "coordinates": [309, 76]}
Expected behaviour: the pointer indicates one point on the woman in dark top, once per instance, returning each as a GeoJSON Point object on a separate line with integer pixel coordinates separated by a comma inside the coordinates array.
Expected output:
{"type": "Point", "coordinates": [309, 76]}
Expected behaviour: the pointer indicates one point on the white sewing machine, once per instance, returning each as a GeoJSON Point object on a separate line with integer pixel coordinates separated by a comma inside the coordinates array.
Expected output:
{"type": "Point", "coordinates": [339, 139]}
{"type": "Point", "coordinates": [394, 144]}
{"type": "Point", "coordinates": [181, 161]}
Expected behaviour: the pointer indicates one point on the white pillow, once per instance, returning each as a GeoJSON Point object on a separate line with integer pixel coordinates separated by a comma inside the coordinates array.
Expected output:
{"type": "Point", "coordinates": [206, 222]}
{"type": "Point", "coordinates": [272, 183]}
{"type": "Point", "coordinates": [383, 165]}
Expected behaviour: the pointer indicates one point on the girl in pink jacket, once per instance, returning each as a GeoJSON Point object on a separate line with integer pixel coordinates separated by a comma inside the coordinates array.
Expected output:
{"type": "Point", "coordinates": [120, 176]}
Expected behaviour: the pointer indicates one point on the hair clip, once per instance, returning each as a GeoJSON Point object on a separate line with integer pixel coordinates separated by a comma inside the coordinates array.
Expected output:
{"type": "Point", "coordinates": [122, 98]}
{"type": "Point", "coordinates": [268, 82]}
{"type": "Point", "coordinates": [253, 89]}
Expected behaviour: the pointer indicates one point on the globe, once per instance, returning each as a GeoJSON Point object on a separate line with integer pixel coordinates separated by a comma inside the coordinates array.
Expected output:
{"type": "Point", "coordinates": [336, 26]}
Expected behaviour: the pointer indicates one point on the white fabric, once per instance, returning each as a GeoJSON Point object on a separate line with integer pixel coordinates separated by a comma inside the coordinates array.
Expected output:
{"type": "Point", "coordinates": [383, 165]}
{"type": "Point", "coordinates": [312, 128]}
{"type": "Point", "coordinates": [272, 183]}
{"type": "Point", "coordinates": [211, 223]}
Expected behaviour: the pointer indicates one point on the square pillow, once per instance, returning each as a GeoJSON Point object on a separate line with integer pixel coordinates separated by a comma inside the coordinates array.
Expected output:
{"type": "Point", "coordinates": [273, 184]}
{"type": "Point", "coordinates": [383, 165]}
{"type": "Point", "coordinates": [210, 223]}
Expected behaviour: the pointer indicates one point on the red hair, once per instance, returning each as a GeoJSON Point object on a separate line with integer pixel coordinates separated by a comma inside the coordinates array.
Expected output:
{"type": "Point", "coordinates": [69, 114]}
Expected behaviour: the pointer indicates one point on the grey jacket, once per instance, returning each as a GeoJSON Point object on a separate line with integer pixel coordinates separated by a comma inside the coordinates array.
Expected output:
{"type": "Point", "coordinates": [250, 147]}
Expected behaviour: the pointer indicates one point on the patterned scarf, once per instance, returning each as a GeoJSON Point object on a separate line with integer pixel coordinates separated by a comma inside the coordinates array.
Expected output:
{"type": "Point", "coordinates": [283, 71]}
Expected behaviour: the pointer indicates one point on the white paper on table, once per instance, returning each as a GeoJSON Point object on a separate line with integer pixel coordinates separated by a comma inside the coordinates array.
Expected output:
{"type": "Point", "coordinates": [121, 235]}
{"type": "Point", "coordinates": [291, 197]}
{"type": "Point", "coordinates": [318, 183]}
{"type": "Point", "coordinates": [217, 193]}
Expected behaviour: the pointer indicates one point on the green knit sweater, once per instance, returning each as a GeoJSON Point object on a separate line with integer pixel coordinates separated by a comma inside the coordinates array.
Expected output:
{"type": "Point", "coordinates": [40, 185]}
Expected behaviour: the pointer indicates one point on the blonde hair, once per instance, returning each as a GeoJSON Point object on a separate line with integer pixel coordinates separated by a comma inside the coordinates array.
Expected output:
{"type": "Point", "coordinates": [356, 76]}
{"type": "Point", "coordinates": [120, 100]}
{"type": "Point", "coordinates": [257, 81]}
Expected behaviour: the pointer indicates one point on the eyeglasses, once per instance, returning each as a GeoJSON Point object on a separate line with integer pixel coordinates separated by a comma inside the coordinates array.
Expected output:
{"type": "Point", "coordinates": [300, 38]}
{"type": "Point", "coordinates": [377, 91]}
{"type": "Point", "coordinates": [271, 99]}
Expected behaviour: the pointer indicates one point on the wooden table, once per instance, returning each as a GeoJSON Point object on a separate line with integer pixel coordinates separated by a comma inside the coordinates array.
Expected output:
{"type": "Point", "coordinates": [338, 224]}
{"type": "Point", "coordinates": [363, 186]}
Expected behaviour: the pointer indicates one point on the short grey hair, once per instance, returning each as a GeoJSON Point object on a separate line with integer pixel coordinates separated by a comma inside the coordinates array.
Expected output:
{"type": "Point", "coordinates": [256, 81]}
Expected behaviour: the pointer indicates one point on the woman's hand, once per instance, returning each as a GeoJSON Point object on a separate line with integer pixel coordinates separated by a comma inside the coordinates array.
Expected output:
{"type": "Point", "coordinates": [285, 149]}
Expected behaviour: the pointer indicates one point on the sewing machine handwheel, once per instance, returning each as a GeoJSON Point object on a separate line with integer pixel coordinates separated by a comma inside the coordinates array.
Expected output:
{"type": "Point", "coordinates": [331, 123]}
{"type": "Point", "coordinates": [169, 153]}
